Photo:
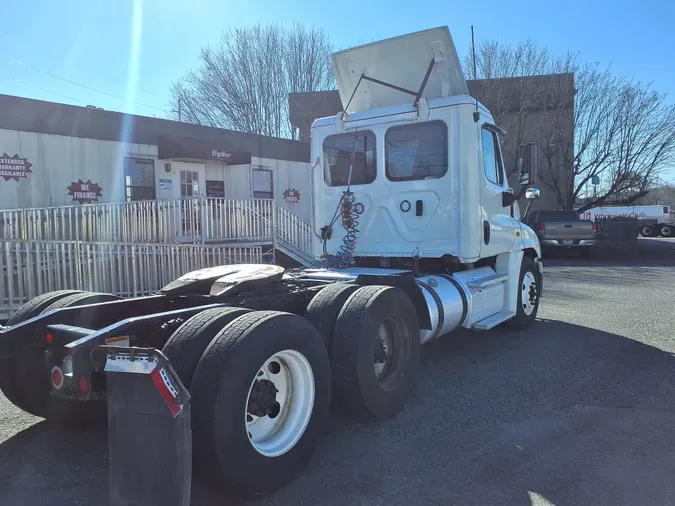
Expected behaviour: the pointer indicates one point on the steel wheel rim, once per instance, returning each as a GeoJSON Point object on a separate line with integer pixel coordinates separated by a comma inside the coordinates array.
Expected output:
{"type": "Point", "coordinates": [528, 295]}
{"type": "Point", "coordinates": [276, 432]}
{"type": "Point", "coordinates": [384, 349]}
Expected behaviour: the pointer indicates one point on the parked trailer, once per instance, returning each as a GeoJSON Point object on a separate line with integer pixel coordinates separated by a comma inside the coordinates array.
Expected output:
{"type": "Point", "coordinates": [410, 250]}
{"type": "Point", "coordinates": [655, 219]}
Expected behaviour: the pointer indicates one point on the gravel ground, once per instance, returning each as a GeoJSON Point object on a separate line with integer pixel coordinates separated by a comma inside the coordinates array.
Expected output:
{"type": "Point", "coordinates": [577, 411]}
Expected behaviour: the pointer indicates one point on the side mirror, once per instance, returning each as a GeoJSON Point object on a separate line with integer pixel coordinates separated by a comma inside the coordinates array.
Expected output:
{"type": "Point", "coordinates": [527, 164]}
{"type": "Point", "coordinates": [532, 193]}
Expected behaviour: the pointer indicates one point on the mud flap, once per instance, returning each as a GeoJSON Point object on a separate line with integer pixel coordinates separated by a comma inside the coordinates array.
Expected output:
{"type": "Point", "coordinates": [150, 441]}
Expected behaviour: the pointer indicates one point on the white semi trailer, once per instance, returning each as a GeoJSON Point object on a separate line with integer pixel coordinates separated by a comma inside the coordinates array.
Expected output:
{"type": "Point", "coordinates": [657, 219]}
{"type": "Point", "coordinates": [417, 234]}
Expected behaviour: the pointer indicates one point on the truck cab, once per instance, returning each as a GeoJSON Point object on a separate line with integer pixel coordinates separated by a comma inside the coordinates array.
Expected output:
{"type": "Point", "coordinates": [425, 178]}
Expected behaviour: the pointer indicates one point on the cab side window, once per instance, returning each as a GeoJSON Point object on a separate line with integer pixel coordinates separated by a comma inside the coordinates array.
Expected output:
{"type": "Point", "coordinates": [492, 160]}
{"type": "Point", "coordinates": [350, 159]}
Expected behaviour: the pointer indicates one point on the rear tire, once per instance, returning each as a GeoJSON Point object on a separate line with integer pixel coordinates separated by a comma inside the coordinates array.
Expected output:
{"type": "Point", "coordinates": [29, 310]}
{"type": "Point", "coordinates": [325, 307]}
{"type": "Point", "coordinates": [647, 231]}
{"type": "Point", "coordinates": [25, 380]}
{"type": "Point", "coordinates": [37, 305]}
{"type": "Point", "coordinates": [223, 401]}
{"type": "Point", "coordinates": [187, 344]}
{"type": "Point", "coordinates": [375, 352]}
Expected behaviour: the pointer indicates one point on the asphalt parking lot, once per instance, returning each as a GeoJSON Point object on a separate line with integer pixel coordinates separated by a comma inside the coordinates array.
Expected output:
{"type": "Point", "coordinates": [577, 411]}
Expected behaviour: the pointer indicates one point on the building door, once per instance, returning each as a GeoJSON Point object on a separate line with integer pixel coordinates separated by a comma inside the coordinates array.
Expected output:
{"type": "Point", "coordinates": [189, 183]}
{"type": "Point", "coordinates": [258, 214]}
{"type": "Point", "coordinates": [191, 214]}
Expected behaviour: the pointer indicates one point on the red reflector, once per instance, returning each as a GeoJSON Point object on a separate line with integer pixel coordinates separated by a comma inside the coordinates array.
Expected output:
{"type": "Point", "coordinates": [50, 338]}
{"type": "Point", "coordinates": [84, 386]}
{"type": "Point", "coordinates": [57, 377]}
{"type": "Point", "coordinates": [542, 227]}
{"type": "Point", "coordinates": [593, 226]}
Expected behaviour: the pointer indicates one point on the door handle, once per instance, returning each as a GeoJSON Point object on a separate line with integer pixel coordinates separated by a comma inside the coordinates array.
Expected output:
{"type": "Point", "coordinates": [486, 232]}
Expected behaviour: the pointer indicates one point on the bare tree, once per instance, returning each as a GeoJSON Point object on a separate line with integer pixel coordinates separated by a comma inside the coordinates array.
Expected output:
{"type": "Point", "coordinates": [244, 83]}
{"type": "Point", "coordinates": [662, 195]}
{"type": "Point", "coordinates": [624, 138]}
{"type": "Point", "coordinates": [594, 126]}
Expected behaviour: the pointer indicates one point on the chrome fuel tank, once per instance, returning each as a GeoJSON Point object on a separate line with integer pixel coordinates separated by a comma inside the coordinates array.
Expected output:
{"type": "Point", "coordinates": [447, 303]}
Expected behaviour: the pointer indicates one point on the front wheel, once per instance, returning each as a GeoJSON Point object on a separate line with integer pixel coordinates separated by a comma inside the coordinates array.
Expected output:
{"type": "Point", "coordinates": [667, 231]}
{"type": "Point", "coordinates": [529, 290]}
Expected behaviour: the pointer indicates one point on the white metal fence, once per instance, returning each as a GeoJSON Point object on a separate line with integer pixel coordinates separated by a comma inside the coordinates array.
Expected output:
{"type": "Point", "coordinates": [31, 267]}
{"type": "Point", "coordinates": [188, 220]}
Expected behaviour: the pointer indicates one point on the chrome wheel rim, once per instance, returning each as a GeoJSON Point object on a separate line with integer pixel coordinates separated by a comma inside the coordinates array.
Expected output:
{"type": "Point", "coordinates": [528, 295]}
{"type": "Point", "coordinates": [279, 403]}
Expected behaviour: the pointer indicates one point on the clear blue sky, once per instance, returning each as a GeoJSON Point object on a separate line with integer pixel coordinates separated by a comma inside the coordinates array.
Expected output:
{"type": "Point", "coordinates": [91, 42]}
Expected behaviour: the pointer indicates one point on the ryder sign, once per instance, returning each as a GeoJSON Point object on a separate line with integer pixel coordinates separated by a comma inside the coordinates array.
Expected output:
{"type": "Point", "coordinates": [14, 167]}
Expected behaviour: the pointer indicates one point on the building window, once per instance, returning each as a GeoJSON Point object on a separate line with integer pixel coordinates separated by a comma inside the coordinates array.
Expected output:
{"type": "Point", "coordinates": [189, 183]}
{"type": "Point", "coordinates": [417, 151]}
{"type": "Point", "coordinates": [139, 179]}
{"type": "Point", "coordinates": [339, 152]}
{"type": "Point", "coordinates": [262, 184]}
{"type": "Point", "coordinates": [492, 160]}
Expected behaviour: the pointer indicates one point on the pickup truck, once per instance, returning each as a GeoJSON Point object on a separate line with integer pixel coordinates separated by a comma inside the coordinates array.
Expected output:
{"type": "Point", "coordinates": [562, 229]}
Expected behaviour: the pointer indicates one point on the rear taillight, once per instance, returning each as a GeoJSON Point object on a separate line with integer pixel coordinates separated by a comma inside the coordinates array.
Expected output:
{"type": "Point", "coordinates": [542, 227]}
{"type": "Point", "coordinates": [593, 226]}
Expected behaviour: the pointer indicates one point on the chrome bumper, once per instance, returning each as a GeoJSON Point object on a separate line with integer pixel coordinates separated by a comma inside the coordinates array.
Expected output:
{"type": "Point", "coordinates": [559, 242]}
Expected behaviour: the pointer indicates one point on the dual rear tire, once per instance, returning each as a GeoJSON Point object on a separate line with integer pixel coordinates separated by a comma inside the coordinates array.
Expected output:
{"type": "Point", "coordinates": [373, 336]}
{"type": "Point", "coordinates": [261, 381]}
{"type": "Point", "coordinates": [24, 378]}
{"type": "Point", "coordinates": [260, 386]}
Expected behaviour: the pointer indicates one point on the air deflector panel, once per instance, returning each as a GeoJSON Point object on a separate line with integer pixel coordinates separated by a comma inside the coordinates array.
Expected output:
{"type": "Point", "coordinates": [400, 61]}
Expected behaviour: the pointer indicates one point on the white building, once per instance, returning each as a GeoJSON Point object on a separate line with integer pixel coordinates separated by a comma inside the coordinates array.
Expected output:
{"type": "Point", "coordinates": [54, 154]}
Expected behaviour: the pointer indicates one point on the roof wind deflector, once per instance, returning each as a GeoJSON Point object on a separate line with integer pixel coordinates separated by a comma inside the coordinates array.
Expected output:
{"type": "Point", "coordinates": [417, 94]}
{"type": "Point", "coordinates": [387, 72]}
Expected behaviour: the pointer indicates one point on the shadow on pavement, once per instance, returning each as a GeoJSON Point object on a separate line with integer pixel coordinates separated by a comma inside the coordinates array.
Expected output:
{"type": "Point", "coordinates": [647, 251]}
{"type": "Point", "coordinates": [562, 413]}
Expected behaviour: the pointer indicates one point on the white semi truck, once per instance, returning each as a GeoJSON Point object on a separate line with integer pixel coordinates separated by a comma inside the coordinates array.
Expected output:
{"type": "Point", "coordinates": [656, 219]}
{"type": "Point", "coordinates": [417, 234]}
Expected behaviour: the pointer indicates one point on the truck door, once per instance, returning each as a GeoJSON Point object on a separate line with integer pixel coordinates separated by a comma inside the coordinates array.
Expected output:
{"type": "Point", "coordinates": [498, 225]}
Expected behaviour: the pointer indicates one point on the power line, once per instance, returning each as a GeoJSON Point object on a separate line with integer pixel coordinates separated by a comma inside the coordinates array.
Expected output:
{"type": "Point", "coordinates": [44, 89]}
{"type": "Point", "coordinates": [17, 62]}
{"type": "Point", "coordinates": [117, 80]}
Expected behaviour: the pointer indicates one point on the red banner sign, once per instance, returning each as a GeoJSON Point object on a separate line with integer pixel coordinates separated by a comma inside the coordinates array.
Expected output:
{"type": "Point", "coordinates": [14, 167]}
{"type": "Point", "coordinates": [85, 192]}
{"type": "Point", "coordinates": [291, 196]}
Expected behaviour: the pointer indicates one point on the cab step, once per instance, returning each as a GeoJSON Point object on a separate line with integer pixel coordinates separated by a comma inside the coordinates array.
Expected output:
{"type": "Point", "coordinates": [489, 281]}
{"type": "Point", "coordinates": [494, 320]}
